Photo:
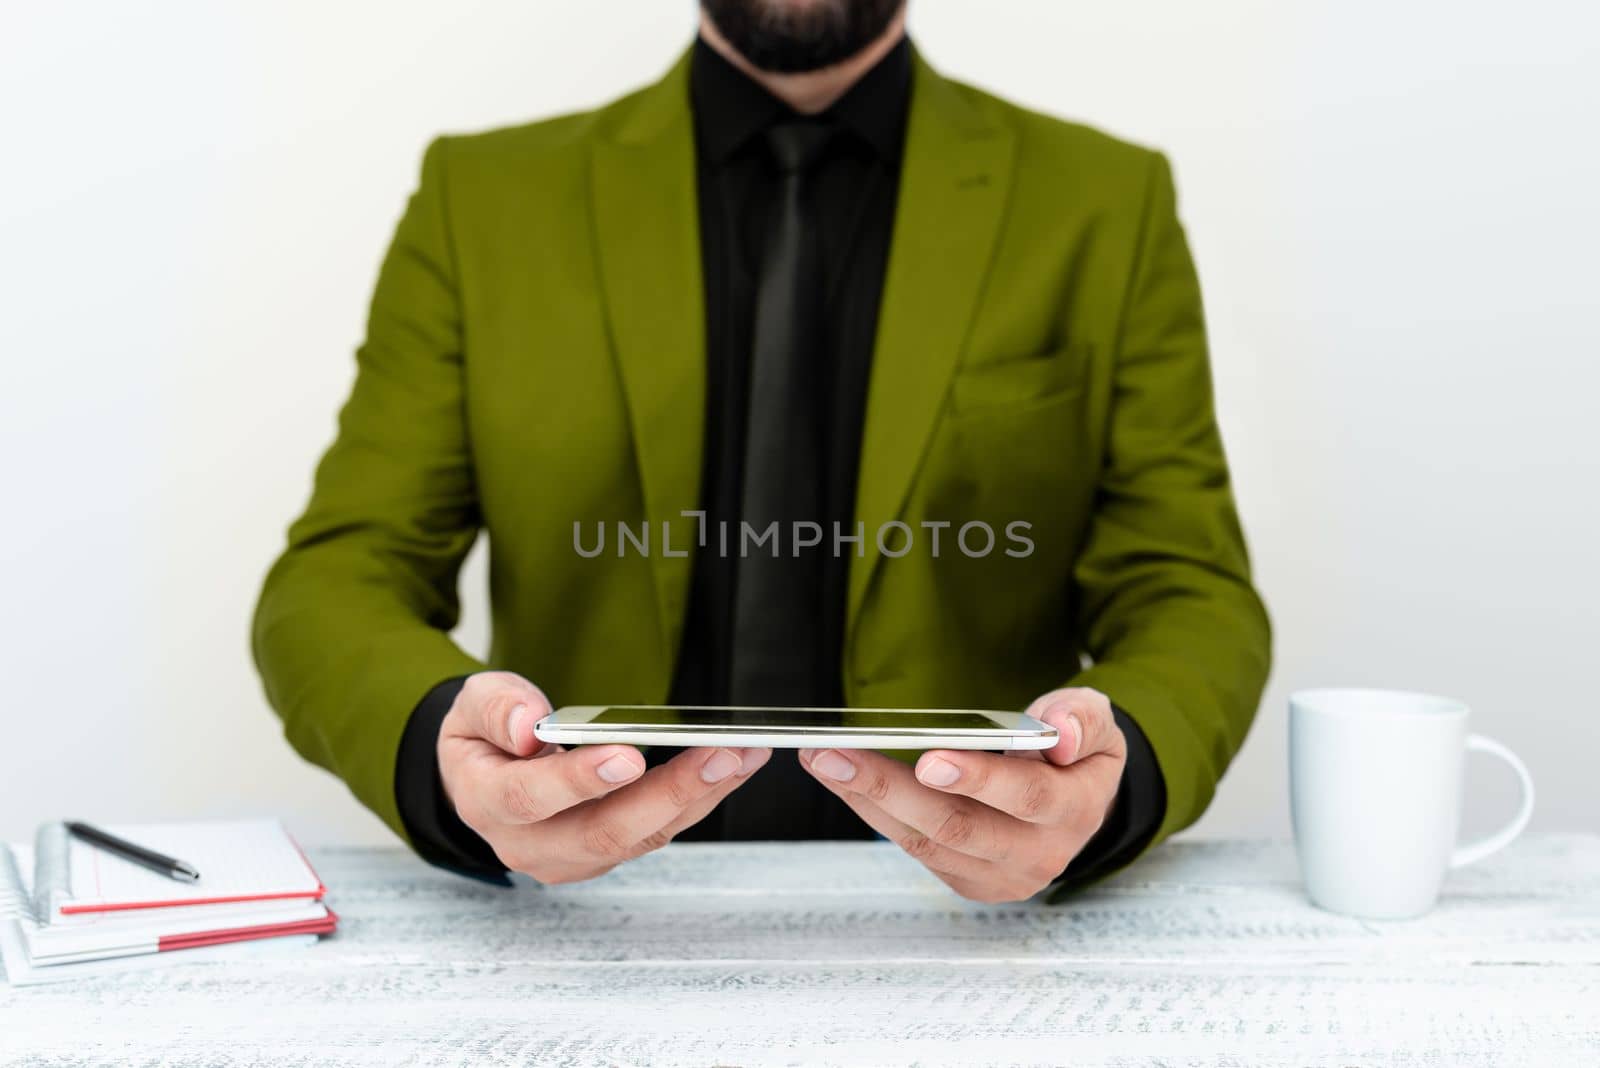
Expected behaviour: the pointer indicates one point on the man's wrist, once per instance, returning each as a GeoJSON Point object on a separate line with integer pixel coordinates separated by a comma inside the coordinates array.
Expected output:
{"type": "Point", "coordinates": [437, 833]}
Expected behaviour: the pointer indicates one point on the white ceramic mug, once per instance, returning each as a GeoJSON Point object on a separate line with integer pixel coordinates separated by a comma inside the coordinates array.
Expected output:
{"type": "Point", "coordinates": [1375, 784]}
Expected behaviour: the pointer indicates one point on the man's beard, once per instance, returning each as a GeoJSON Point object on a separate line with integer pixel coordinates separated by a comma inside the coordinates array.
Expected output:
{"type": "Point", "coordinates": [787, 37]}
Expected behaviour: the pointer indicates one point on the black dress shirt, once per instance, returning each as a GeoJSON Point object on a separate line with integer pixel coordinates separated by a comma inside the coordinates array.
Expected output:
{"type": "Point", "coordinates": [853, 190]}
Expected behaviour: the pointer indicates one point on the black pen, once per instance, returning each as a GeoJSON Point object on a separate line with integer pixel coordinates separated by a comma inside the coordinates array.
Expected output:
{"type": "Point", "coordinates": [149, 858]}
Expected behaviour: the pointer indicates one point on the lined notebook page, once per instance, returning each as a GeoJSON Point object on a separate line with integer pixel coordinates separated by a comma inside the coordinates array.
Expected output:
{"type": "Point", "coordinates": [237, 861]}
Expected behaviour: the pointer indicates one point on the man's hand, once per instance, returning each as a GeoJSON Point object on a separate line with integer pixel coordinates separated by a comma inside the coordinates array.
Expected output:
{"type": "Point", "coordinates": [993, 827]}
{"type": "Point", "coordinates": [559, 815]}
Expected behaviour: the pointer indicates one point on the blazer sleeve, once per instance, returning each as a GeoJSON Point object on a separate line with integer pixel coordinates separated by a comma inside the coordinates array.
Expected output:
{"type": "Point", "coordinates": [1176, 633]}
{"type": "Point", "coordinates": [352, 625]}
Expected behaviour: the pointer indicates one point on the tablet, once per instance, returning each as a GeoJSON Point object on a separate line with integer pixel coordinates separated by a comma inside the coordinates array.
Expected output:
{"type": "Point", "coordinates": [795, 728]}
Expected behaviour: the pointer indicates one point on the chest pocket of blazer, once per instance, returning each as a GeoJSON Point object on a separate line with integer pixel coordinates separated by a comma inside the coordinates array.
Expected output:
{"type": "Point", "coordinates": [1018, 383]}
{"type": "Point", "coordinates": [1013, 446]}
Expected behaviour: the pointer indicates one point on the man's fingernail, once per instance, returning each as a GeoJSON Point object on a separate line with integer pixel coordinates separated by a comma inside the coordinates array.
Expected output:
{"type": "Point", "coordinates": [618, 769]}
{"type": "Point", "coordinates": [723, 762]}
{"type": "Point", "coordinates": [834, 766]}
{"type": "Point", "coordinates": [938, 772]}
{"type": "Point", "coordinates": [753, 759]}
{"type": "Point", "coordinates": [518, 715]}
{"type": "Point", "coordinates": [1077, 734]}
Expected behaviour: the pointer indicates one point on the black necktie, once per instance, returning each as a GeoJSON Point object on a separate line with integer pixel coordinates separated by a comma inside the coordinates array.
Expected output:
{"type": "Point", "coordinates": [776, 658]}
{"type": "Point", "coordinates": [782, 456]}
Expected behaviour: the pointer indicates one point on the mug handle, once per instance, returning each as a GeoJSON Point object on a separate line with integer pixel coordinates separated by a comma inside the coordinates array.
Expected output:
{"type": "Point", "coordinates": [1493, 843]}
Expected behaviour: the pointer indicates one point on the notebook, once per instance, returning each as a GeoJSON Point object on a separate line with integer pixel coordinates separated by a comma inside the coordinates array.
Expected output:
{"type": "Point", "coordinates": [20, 971]}
{"type": "Point", "coordinates": [238, 861]}
{"type": "Point", "coordinates": [66, 904]}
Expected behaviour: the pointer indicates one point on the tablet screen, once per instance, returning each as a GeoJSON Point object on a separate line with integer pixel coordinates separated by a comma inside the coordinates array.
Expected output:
{"type": "Point", "coordinates": [799, 718]}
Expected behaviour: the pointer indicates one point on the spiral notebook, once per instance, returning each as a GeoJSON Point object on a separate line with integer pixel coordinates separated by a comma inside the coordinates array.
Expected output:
{"type": "Point", "coordinates": [65, 905]}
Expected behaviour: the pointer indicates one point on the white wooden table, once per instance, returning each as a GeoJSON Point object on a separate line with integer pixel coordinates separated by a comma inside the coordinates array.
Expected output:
{"type": "Point", "coordinates": [778, 954]}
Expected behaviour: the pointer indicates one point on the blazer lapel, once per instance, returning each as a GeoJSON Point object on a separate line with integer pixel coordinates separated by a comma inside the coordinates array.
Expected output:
{"type": "Point", "coordinates": [646, 222]}
{"type": "Point", "coordinates": [955, 173]}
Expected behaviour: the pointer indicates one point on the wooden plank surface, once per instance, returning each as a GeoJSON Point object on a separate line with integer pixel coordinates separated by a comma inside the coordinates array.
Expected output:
{"type": "Point", "coordinates": [1205, 953]}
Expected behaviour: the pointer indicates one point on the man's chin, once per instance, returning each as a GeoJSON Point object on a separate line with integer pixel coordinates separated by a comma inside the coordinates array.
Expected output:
{"type": "Point", "coordinates": [796, 36]}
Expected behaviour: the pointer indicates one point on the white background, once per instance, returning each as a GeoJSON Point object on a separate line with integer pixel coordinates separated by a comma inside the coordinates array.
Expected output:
{"type": "Point", "coordinates": [1393, 207]}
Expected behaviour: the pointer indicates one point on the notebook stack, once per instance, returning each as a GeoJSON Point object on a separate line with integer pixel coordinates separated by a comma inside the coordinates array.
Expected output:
{"type": "Point", "coordinates": [68, 909]}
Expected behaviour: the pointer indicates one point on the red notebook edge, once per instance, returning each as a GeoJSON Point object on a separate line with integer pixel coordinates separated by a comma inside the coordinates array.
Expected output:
{"type": "Point", "coordinates": [311, 895]}
{"type": "Point", "coordinates": [321, 925]}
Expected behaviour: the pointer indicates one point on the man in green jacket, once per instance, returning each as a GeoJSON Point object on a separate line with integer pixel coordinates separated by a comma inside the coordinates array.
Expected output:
{"type": "Point", "coordinates": [939, 359]}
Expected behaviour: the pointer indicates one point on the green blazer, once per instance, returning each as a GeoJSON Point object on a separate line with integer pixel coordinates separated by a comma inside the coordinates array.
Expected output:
{"type": "Point", "coordinates": [534, 359]}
